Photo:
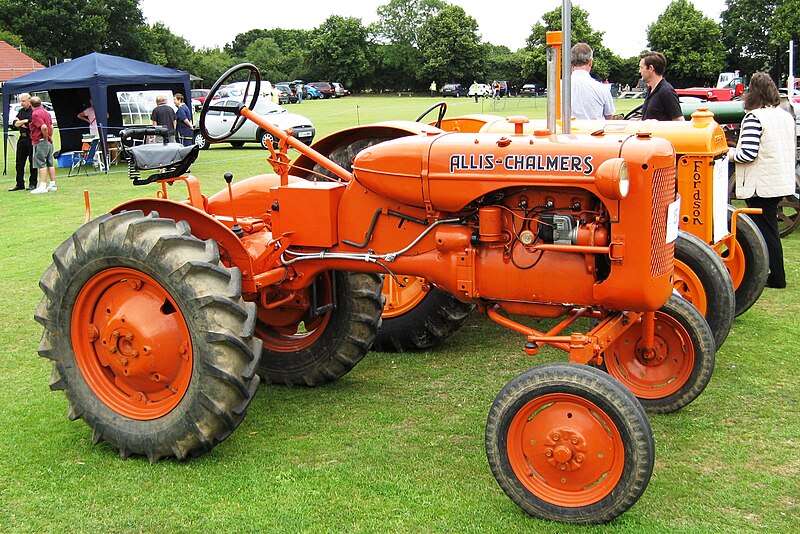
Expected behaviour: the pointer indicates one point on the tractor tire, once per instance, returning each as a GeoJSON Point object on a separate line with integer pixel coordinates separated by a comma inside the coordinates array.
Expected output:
{"type": "Point", "coordinates": [750, 264]}
{"type": "Point", "coordinates": [567, 443]}
{"type": "Point", "coordinates": [317, 350]}
{"type": "Point", "coordinates": [149, 337]}
{"type": "Point", "coordinates": [682, 364]}
{"type": "Point", "coordinates": [702, 279]}
{"type": "Point", "coordinates": [418, 320]}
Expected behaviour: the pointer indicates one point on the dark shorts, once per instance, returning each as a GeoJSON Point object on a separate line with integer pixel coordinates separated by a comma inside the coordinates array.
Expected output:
{"type": "Point", "coordinates": [43, 154]}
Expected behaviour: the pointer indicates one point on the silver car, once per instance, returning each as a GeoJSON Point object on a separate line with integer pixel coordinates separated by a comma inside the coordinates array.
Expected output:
{"type": "Point", "coordinates": [219, 123]}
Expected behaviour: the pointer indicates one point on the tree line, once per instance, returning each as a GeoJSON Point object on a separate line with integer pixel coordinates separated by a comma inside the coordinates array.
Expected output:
{"type": "Point", "coordinates": [413, 42]}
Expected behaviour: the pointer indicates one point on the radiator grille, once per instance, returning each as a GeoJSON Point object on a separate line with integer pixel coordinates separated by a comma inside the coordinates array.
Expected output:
{"type": "Point", "coordinates": [662, 253]}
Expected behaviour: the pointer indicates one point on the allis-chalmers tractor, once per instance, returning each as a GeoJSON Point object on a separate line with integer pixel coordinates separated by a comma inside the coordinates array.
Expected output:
{"type": "Point", "coordinates": [161, 315]}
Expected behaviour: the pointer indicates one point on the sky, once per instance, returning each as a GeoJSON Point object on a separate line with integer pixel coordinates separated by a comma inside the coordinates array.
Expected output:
{"type": "Point", "coordinates": [212, 24]}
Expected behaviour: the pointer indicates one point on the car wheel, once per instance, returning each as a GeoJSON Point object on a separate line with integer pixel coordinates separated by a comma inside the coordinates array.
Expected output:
{"type": "Point", "coordinates": [266, 140]}
{"type": "Point", "coordinates": [200, 141]}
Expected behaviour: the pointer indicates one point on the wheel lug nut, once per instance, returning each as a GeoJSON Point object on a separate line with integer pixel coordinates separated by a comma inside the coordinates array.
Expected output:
{"type": "Point", "coordinates": [556, 436]}
{"type": "Point", "coordinates": [548, 452]}
{"type": "Point", "coordinates": [575, 440]}
{"type": "Point", "coordinates": [579, 458]}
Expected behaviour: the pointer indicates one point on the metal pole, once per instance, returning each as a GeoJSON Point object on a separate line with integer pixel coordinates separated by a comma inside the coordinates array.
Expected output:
{"type": "Point", "coordinates": [552, 87]}
{"type": "Point", "coordinates": [566, 65]}
{"type": "Point", "coordinates": [790, 78]}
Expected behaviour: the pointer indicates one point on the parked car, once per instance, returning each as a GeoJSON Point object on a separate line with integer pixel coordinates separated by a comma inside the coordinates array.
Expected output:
{"type": "Point", "coordinates": [13, 109]}
{"type": "Point", "coordinates": [454, 89]}
{"type": "Point", "coordinates": [285, 94]}
{"type": "Point", "coordinates": [339, 89]}
{"type": "Point", "coordinates": [198, 97]}
{"type": "Point", "coordinates": [325, 89]}
{"type": "Point", "coordinates": [219, 123]}
{"type": "Point", "coordinates": [480, 89]}
{"type": "Point", "coordinates": [529, 89]}
{"type": "Point", "coordinates": [311, 92]}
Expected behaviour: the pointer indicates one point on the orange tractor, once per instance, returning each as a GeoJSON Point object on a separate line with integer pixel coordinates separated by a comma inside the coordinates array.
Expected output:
{"type": "Point", "coordinates": [161, 315]}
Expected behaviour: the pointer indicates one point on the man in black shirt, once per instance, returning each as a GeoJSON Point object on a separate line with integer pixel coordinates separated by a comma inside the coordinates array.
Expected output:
{"type": "Point", "coordinates": [24, 146]}
{"type": "Point", "coordinates": [661, 101]}
{"type": "Point", "coordinates": [163, 115]}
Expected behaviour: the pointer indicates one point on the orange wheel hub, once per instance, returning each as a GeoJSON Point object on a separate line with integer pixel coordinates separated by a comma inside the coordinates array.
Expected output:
{"type": "Point", "coordinates": [656, 373]}
{"type": "Point", "coordinates": [688, 284]}
{"type": "Point", "coordinates": [131, 343]}
{"type": "Point", "coordinates": [291, 330]}
{"type": "Point", "coordinates": [565, 450]}
{"type": "Point", "coordinates": [400, 300]}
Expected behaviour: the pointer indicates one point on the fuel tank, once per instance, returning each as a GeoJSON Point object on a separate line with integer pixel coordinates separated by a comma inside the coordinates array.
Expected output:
{"type": "Point", "coordinates": [448, 171]}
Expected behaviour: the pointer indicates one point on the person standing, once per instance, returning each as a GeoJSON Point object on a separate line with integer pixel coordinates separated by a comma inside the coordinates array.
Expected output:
{"type": "Point", "coordinates": [164, 115]}
{"type": "Point", "coordinates": [88, 116]}
{"type": "Point", "coordinates": [184, 121]}
{"type": "Point", "coordinates": [660, 100]}
{"type": "Point", "coordinates": [24, 146]}
{"type": "Point", "coordinates": [298, 88]}
{"type": "Point", "coordinates": [591, 100]}
{"type": "Point", "coordinates": [765, 161]}
{"type": "Point", "coordinates": [433, 88]}
{"type": "Point", "coordinates": [42, 138]}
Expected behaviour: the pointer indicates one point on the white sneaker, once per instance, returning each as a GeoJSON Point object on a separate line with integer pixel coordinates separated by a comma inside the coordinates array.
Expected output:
{"type": "Point", "coordinates": [52, 187]}
{"type": "Point", "coordinates": [42, 188]}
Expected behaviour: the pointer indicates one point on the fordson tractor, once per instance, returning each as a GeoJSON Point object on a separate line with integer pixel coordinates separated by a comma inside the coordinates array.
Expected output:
{"type": "Point", "coordinates": [161, 316]}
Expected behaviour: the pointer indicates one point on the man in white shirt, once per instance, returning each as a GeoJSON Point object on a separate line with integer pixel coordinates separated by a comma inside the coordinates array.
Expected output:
{"type": "Point", "coordinates": [591, 99]}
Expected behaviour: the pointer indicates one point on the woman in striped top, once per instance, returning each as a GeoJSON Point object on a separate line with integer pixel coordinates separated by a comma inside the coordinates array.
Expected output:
{"type": "Point", "coordinates": [765, 162]}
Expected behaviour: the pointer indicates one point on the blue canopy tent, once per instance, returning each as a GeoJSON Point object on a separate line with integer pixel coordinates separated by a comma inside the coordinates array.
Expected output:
{"type": "Point", "coordinates": [96, 76]}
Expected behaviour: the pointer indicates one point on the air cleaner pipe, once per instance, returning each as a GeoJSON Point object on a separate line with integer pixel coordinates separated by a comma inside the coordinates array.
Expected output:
{"type": "Point", "coordinates": [566, 65]}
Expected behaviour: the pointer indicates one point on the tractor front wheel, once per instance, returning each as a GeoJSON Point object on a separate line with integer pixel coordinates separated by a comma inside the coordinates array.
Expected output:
{"type": "Point", "coordinates": [672, 373]}
{"type": "Point", "coordinates": [568, 443]}
{"type": "Point", "coordinates": [701, 278]}
{"type": "Point", "coordinates": [316, 348]}
{"type": "Point", "coordinates": [749, 265]}
{"type": "Point", "coordinates": [149, 336]}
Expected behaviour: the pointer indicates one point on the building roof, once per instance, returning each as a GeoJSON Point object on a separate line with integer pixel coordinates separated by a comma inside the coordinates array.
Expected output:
{"type": "Point", "coordinates": [14, 63]}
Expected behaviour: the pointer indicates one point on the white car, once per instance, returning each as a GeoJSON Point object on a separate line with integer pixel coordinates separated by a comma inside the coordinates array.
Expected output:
{"type": "Point", "coordinates": [480, 89]}
{"type": "Point", "coordinates": [13, 109]}
{"type": "Point", "coordinates": [219, 123]}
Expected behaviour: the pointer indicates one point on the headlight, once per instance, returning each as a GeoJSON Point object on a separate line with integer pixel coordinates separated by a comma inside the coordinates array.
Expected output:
{"type": "Point", "coordinates": [612, 179]}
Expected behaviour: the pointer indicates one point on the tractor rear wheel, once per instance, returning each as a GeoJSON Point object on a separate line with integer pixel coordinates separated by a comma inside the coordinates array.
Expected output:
{"type": "Point", "coordinates": [678, 369]}
{"type": "Point", "coordinates": [149, 336]}
{"type": "Point", "coordinates": [749, 266]}
{"type": "Point", "coordinates": [568, 443]}
{"type": "Point", "coordinates": [416, 318]}
{"type": "Point", "coordinates": [316, 349]}
{"type": "Point", "coordinates": [701, 278]}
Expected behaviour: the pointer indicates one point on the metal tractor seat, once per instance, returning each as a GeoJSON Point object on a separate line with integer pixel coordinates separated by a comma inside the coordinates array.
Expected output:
{"type": "Point", "coordinates": [170, 159]}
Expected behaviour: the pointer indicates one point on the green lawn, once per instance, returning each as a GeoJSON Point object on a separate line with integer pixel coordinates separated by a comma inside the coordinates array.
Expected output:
{"type": "Point", "coordinates": [397, 444]}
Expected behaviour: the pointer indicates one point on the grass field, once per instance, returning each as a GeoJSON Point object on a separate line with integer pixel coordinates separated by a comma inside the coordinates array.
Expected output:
{"type": "Point", "coordinates": [397, 444]}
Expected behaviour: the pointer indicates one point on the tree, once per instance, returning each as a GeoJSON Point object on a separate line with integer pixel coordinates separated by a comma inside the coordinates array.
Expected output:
{"type": "Point", "coordinates": [400, 21]}
{"type": "Point", "coordinates": [691, 42]}
{"type": "Point", "coordinates": [338, 50]}
{"type": "Point", "coordinates": [450, 46]}
{"type": "Point", "coordinates": [746, 27]}
{"type": "Point", "coordinates": [73, 28]}
{"type": "Point", "coordinates": [167, 49]}
{"type": "Point", "coordinates": [210, 63]}
{"type": "Point", "coordinates": [265, 54]}
{"type": "Point", "coordinates": [535, 58]}
{"type": "Point", "coordinates": [503, 64]}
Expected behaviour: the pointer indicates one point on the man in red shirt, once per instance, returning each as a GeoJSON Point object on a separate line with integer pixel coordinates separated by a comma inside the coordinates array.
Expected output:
{"type": "Point", "coordinates": [41, 126]}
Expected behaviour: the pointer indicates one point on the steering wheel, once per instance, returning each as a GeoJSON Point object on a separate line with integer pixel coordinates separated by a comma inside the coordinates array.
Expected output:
{"type": "Point", "coordinates": [635, 114]}
{"type": "Point", "coordinates": [253, 77]}
{"type": "Point", "coordinates": [442, 110]}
